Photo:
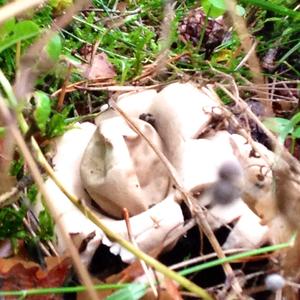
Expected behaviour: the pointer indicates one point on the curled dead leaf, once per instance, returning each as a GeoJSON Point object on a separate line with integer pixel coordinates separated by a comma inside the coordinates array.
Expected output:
{"type": "Point", "coordinates": [21, 275]}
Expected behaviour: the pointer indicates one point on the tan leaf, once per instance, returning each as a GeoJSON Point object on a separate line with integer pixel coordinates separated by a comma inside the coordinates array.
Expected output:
{"type": "Point", "coordinates": [100, 68]}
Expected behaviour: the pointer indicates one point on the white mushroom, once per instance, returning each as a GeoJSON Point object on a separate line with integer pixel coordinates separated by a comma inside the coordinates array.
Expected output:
{"type": "Point", "coordinates": [149, 229]}
{"type": "Point", "coordinates": [134, 104]}
{"type": "Point", "coordinates": [118, 169]}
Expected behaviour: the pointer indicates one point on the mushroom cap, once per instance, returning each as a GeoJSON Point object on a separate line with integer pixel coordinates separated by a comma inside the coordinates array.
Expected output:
{"type": "Point", "coordinates": [119, 169]}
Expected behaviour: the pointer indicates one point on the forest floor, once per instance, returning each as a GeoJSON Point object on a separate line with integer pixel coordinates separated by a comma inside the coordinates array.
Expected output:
{"type": "Point", "coordinates": [62, 65]}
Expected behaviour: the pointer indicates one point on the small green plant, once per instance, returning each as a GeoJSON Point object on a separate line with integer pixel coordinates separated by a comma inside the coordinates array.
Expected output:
{"type": "Point", "coordinates": [12, 32]}
{"type": "Point", "coordinates": [42, 110]}
{"type": "Point", "coordinates": [285, 128]}
{"type": "Point", "coordinates": [13, 35]}
{"type": "Point", "coordinates": [46, 223]}
{"type": "Point", "coordinates": [216, 8]}
{"type": "Point", "coordinates": [278, 7]}
{"type": "Point", "coordinates": [57, 124]}
{"type": "Point", "coordinates": [11, 223]}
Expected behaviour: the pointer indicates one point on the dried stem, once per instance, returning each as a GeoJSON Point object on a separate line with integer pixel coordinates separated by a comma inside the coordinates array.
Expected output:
{"type": "Point", "coordinates": [202, 258]}
{"type": "Point", "coordinates": [28, 227]}
{"type": "Point", "coordinates": [62, 93]}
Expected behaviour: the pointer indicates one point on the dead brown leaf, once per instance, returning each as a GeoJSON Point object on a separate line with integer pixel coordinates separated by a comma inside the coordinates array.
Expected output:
{"type": "Point", "coordinates": [16, 274]}
{"type": "Point", "coordinates": [129, 274]}
{"type": "Point", "coordinates": [99, 67]}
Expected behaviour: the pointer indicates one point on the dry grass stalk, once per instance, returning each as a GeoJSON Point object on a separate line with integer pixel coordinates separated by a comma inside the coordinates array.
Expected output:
{"type": "Point", "coordinates": [165, 35]}
{"type": "Point", "coordinates": [33, 234]}
{"type": "Point", "coordinates": [247, 44]}
{"type": "Point", "coordinates": [62, 94]}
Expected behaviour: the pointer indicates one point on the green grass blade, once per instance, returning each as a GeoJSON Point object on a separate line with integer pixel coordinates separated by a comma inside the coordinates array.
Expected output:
{"type": "Point", "coordinates": [61, 290]}
{"type": "Point", "coordinates": [22, 31]}
{"type": "Point", "coordinates": [132, 292]}
{"type": "Point", "coordinates": [232, 258]}
{"type": "Point", "coordinates": [279, 9]}
{"type": "Point", "coordinates": [290, 52]}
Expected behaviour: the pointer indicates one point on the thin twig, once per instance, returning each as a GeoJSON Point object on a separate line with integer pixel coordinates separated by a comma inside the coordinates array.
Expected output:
{"type": "Point", "coordinates": [276, 83]}
{"type": "Point", "coordinates": [106, 87]}
{"type": "Point", "coordinates": [204, 225]}
{"type": "Point", "coordinates": [246, 57]}
{"type": "Point", "coordinates": [11, 196]}
{"type": "Point", "coordinates": [8, 198]}
{"type": "Point", "coordinates": [177, 232]}
{"type": "Point", "coordinates": [267, 87]}
{"type": "Point", "coordinates": [62, 93]}
{"type": "Point", "coordinates": [199, 259]}
{"type": "Point", "coordinates": [279, 99]}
